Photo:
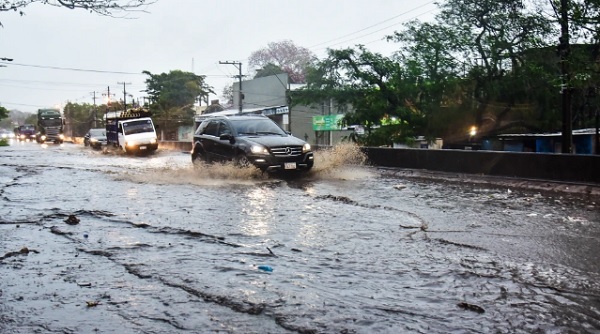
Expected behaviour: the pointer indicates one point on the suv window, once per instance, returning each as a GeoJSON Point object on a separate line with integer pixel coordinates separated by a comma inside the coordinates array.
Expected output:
{"type": "Point", "coordinates": [211, 128]}
{"type": "Point", "coordinates": [224, 129]}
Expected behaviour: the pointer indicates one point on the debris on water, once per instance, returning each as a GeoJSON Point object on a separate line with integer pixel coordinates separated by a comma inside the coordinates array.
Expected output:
{"type": "Point", "coordinates": [72, 220]}
{"type": "Point", "coordinates": [471, 307]}
{"type": "Point", "coordinates": [399, 186]}
{"type": "Point", "coordinates": [86, 285]}
{"type": "Point", "coordinates": [92, 303]}
{"type": "Point", "coordinates": [85, 235]}
{"type": "Point", "coordinates": [268, 269]}
{"type": "Point", "coordinates": [23, 250]}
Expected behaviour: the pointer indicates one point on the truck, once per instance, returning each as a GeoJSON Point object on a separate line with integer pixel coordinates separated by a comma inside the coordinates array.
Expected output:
{"type": "Point", "coordinates": [25, 132]}
{"type": "Point", "coordinates": [131, 130]}
{"type": "Point", "coordinates": [51, 126]}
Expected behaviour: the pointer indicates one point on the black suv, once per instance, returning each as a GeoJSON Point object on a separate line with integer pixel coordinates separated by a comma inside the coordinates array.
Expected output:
{"type": "Point", "coordinates": [250, 139]}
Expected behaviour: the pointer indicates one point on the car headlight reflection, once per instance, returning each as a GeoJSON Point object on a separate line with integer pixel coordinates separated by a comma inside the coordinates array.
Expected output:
{"type": "Point", "coordinates": [258, 149]}
{"type": "Point", "coordinates": [306, 148]}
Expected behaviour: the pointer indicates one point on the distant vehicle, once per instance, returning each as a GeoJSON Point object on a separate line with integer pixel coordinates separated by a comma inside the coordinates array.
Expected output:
{"type": "Point", "coordinates": [51, 126]}
{"type": "Point", "coordinates": [25, 132]}
{"type": "Point", "coordinates": [6, 134]}
{"type": "Point", "coordinates": [250, 140]}
{"type": "Point", "coordinates": [95, 138]}
{"type": "Point", "coordinates": [132, 130]}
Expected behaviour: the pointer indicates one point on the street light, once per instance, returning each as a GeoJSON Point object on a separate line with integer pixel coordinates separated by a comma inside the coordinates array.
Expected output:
{"type": "Point", "coordinates": [473, 131]}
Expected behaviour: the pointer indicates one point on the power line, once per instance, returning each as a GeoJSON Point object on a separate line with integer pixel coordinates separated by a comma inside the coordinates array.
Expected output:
{"type": "Point", "coordinates": [374, 25]}
{"type": "Point", "coordinates": [73, 69]}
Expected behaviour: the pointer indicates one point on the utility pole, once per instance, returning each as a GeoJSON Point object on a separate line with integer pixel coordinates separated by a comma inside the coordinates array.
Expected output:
{"type": "Point", "coordinates": [564, 50]}
{"type": "Point", "coordinates": [95, 111]}
{"type": "Point", "coordinates": [238, 65]}
{"type": "Point", "coordinates": [108, 95]}
{"type": "Point", "coordinates": [124, 94]}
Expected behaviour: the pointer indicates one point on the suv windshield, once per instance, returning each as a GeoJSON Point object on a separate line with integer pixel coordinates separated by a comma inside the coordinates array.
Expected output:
{"type": "Point", "coordinates": [256, 127]}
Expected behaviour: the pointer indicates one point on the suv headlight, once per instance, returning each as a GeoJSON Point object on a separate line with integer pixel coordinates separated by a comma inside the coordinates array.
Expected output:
{"type": "Point", "coordinates": [259, 149]}
{"type": "Point", "coordinates": [306, 148]}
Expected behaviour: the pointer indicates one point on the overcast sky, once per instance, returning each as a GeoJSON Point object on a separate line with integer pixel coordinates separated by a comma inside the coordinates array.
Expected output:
{"type": "Point", "coordinates": [63, 55]}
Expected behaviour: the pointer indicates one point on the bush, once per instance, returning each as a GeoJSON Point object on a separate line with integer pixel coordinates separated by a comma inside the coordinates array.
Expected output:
{"type": "Point", "coordinates": [4, 142]}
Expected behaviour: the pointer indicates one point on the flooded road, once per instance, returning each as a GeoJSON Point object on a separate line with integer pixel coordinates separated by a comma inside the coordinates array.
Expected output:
{"type": "Point", "coordinates": [94, 241]}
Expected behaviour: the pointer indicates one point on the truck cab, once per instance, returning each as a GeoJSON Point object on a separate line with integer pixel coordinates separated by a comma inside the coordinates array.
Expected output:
{"type": "Point", "coordinates": [132, 131]}
{"type": "Point", "coordinates": [25, 132]}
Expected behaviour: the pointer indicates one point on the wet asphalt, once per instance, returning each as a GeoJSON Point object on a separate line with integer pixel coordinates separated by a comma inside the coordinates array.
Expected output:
{"type": "Point", "coordinates": [95, 241]}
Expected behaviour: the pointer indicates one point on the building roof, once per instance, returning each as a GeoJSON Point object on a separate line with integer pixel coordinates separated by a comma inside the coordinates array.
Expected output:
{"type": "Point", "coordinates": [588, 131]}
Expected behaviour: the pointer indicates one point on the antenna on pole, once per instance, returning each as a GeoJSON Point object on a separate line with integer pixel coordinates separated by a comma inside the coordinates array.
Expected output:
{"type": "Point", "coordinates": [124, 94]}
{"type": "Point", "coordinates": [238, 65]}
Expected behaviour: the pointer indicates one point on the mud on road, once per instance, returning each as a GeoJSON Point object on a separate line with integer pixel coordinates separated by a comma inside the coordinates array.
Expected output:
{"type": "Point", "coordinates": [94, 241]}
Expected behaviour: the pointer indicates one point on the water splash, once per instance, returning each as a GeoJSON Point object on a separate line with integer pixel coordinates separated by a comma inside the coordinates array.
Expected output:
{"type": "Point", "coordinates": [342, 162]}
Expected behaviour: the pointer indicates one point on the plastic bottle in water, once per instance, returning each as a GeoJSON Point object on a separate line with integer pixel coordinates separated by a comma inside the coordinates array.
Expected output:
{"type": "Point", "coordinates": [265, 268]}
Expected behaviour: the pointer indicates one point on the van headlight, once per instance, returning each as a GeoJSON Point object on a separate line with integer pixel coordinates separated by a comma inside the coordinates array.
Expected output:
{"type": "Point", "coordinates": [153, 141]}
{"type": "Point", "coordinates": [259, 149]}
{"type": "Point", "coordinates": [306, 148]}
{"type": "Point", "coordinates": [61, 136]}
{"type": "Point", "coordinates": [130, 143]}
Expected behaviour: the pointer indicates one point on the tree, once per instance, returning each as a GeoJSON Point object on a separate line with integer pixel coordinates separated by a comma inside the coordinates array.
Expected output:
{"type": "Point", "coordinates": [172, 96]}
{"type": "Point", "coordinates": [3, 113]}
{"type": "Point", "coordinates": [268, 70]}
{"type": "Point", "coordinates": [428, 53]}
{"type": "Point", "coordinates": [285, 56]}
{"type": "Point", "coordinates": [228, 95]}
{"type": "Point", "coordinates": [79, 118]}
{"type": "Point", "coordinates": [378, 88]}
{"type": "Point", "coordinates": [102, 7]}
{"type": "Point", "coordinates": [492, 38]}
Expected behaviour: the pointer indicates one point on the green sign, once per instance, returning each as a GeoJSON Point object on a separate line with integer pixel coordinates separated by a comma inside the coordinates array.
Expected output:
{"type": "Point", "coordinates": [327, 122]}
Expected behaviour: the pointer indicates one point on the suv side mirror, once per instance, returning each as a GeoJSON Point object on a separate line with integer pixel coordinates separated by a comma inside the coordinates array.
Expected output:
{"type": "Point", "coordinates": [227, 137]}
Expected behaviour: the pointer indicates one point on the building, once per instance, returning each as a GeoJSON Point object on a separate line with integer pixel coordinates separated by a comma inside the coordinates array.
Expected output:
{"type": "Point", "coordinates": [272, 96]}
{"type": "Point", "coordinates": [584, 142]}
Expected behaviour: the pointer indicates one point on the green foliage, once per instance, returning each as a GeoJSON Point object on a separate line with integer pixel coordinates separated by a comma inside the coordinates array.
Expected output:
{"type": "Point", "coordinates": [3, 113]}
{"type": "Point", "coordinates": [268, 70]}
{"type": "Point", "coordinates": [4, 142]}
{"type": "Point", "coordinates": [31, 119]}
{"type": "Point", "coordinates": [487, 63]}
{"type": "Point", "coordinates": [79, 118]}
{"type": "Point", "coordinates": [172, 95]}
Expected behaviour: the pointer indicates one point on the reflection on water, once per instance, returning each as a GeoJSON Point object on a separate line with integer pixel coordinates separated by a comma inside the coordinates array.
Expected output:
{"type": "Point", "coordinates": [258, 209]}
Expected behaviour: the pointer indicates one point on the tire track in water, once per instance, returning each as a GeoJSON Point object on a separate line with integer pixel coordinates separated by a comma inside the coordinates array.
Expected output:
{"type": "Point", "coordinates": [137, 270]}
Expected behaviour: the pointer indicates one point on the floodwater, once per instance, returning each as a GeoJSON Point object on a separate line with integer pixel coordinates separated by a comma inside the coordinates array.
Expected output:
{"type": "Point", "coordinates": [100, 242]}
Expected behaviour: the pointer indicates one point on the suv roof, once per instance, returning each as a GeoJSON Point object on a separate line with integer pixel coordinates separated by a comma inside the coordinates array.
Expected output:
{"type": "Point", "coordinates": [240, 116]}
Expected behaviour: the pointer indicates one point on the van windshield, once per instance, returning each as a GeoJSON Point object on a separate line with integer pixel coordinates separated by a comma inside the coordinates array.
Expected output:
{"type": "Point", "coordinates": [130, 128]}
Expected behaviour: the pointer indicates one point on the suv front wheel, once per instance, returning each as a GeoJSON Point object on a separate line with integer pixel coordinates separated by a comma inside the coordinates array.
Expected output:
{"type": "Point", "coordinates": [197, 156]}
{"type": "Point", "coordinates": [242, 161]}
